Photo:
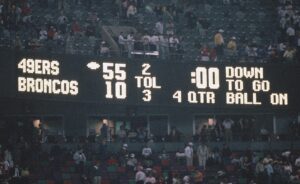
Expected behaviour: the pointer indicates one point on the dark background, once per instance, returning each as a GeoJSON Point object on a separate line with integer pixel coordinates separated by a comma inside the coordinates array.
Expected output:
{"type": "Point", "coordinates": [170, 75]}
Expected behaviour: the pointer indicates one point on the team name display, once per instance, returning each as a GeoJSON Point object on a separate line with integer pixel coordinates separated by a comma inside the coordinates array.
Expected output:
{"type": "Point", "coordinates": [40, 83]}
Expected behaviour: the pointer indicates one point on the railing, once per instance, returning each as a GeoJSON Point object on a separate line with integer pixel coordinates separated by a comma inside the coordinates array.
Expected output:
{"type": "Point", "coordinates": [179, 146]}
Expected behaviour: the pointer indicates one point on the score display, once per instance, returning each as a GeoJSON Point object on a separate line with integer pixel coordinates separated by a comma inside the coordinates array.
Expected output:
{"type": "Point", "coordinates": [153, 83]}
{"type": "Point", "coordinates": [114, 75]}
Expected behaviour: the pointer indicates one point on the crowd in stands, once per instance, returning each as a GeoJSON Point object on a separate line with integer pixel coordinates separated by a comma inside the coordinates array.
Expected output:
{"type": "Point", "coordinates": [74, 26]}
{"type": "Point", "coordinates": [289, 21]}
{"type": "Point", "coordinates": [18, 157]}
{"type": "Point", "coordinates": [25, 161]}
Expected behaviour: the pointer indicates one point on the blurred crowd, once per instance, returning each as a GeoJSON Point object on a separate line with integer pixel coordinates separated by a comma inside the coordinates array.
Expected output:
{"type": "Point", "coordinates": [196, 163]}
{"type": "Point", "coordinates": [74, 26]}
{"type": "Point", "coordinates": [28, 157]}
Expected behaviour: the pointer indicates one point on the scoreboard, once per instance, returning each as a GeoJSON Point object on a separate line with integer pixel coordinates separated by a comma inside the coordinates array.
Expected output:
{"type": "Point", "coordinates": [134, 82]}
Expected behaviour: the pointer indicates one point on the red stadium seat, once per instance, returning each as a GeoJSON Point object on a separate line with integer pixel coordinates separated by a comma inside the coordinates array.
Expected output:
{"type": "Point", "coordinates": [50, 182]}
{"type": "Point", "coordinates": [67, 182]}
{"type": "Point", "coordinates": [121, 169]}
{"type": "Point", "coordinates": [157, 169]}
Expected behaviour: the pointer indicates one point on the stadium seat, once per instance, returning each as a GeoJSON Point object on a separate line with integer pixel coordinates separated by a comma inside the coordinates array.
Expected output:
{"type": "Point", "coordinates": [67, 182]}
{"type": "Point", "coordinates": [50, 182]}
{"type": "Point", "coordinates": [42, 182]}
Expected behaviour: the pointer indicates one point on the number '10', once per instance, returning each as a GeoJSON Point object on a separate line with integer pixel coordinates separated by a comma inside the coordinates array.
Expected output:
{"type": "Point", "coordinates": [207, 78]}
{"type": "Point", "coordinates": [120, 90]}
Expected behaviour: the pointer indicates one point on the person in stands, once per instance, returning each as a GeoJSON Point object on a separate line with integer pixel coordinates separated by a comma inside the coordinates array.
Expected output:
{"type": "Point", "coordinates": [80, 159]}
{"type": "Point", "coordinates": [189, 155]}
{"type": "Point", "coordinates": [219, 44]}
{"type": "Point", "coordinates": [140, 176]}
{"type": "Point", "coordinates": [202, 153]}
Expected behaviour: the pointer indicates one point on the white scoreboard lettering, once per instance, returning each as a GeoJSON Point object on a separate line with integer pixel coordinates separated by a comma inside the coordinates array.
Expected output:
{"type": "Point", "coordinates": [206, 78]}
{"type": "Point", "coordinates": [236, 77]}
{"type": "Point", "coordinates": [44, 68]}
{"type": "Point", "coordinates": [147, 82]}
{"type": "Point", "coordinates": [39, 67]}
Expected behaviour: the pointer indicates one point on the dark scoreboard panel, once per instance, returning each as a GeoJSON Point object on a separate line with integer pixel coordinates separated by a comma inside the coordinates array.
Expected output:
{"type": "Point", "coordinates": [137, 82]}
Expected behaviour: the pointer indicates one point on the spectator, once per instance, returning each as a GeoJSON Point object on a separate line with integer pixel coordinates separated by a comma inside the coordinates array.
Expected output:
{"type": "Point", "coordinates": [188, 151]}
{"type": "Point", "coordinates": [16, 172]}
{"type": "Point", "coordinates": [150, 179]}
{"type": "Point", "coordinates": [174, 135]}
{"type": "Point", "coordinates": [95, 173]}
{"type": "Point", "coordinates": [289, 54]}
{"type": "Point", "coordinates": [164, 158]}
{"type": "Point", "coordinates": [218, 129]}
{"type": "Point", "coordinates": [123, 155]}
{"type": "Point", "coordinates": [198, 177]}
{"type": "Point", "coordinates": [227, 123]}
{"type": "Point", "coordinates": [131, 10]}
{"type": "Point", "coordinates": [140, 176]}
{"type": "Point", "coordinates": [186, 180]}
{"type": "Point", "coordinates": [170, 28]}
{"type": "Point", "coordinates": [232, 47]}
{"type": "Point", "coordinates": [8, 157]}
{"type": "Point", "coordinates": [200, 27]}
{"type": "Point", "coordinates": [75, 28]}
{"type": "Point", "coordinates": [79, 157]}
{"type": "Point", "coordinates": [225, 154]}
{"type": "Point", "coordinates": [130, 43]}
{"type": "Point", "coordinates": [173, 44]}
{"type": "Point", "coordinates": [147, 152]}
{"type": "Point", "coordinates": [62, 23]}
{"type": "Point", "coordinates": [146, 41]}
{"type": "Point", "coordinates": [205, 53]}
{"type": "Point", "coordinates": [154, 41]}
{"type": "Point", "coordinates": [104, 51]}
{"type": "Point", "coordinates": [252, 52]}
{"type": "Point", "coordinates": [176, 179]}
{"type": "Point", "coordinates": [25, 174]}
{"type": "Point", "coordinates": [259, 172]}
{"type": "Point", "coordinates": [124, 6]}
{"type": "Point", "coordinates": [159, 27]}
{"type": "Point", "coordinates": [58, 37]}
{"type": "Point", "coordinates": [290, 31]}
{"type": "Point", "coordinates": [269, 171]}
{"type": "Point", "coordinates": [219, 44]}
{"type": "Point", "coordinates": [51, 32]}
{"type": "Point", "coordinates": [282, 47]}
{"type": "Point", "coordinates": [104, 131]}
{"type": "Point", "coordinates": [297, 163]}
{"type": "Point", "coordinates": [204, 133]}
{"type": "Point", "coordinates": [264, 133]}
{"type": "Point", "coordinates": [164, 47]}
{"type": "Point", "coordinates": [43, 34]}
{"type": "Point", "coordinates": [246, 168]}
{"type": "Point", "coordinates": [132, 162]}
{"type": "Point", "coordinates": [122, 134]}
{"type": "Point", "coordinates": [273, 55]}
{"type": "Point", "coordinates": [202, 153]}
